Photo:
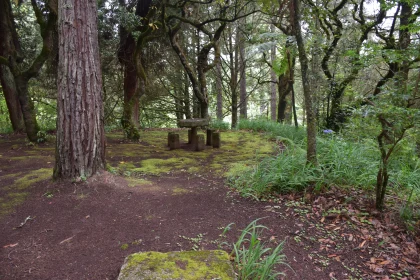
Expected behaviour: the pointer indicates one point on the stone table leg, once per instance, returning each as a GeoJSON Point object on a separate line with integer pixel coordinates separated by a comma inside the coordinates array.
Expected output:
{"type": "Point", "coordinates": [193, 135]}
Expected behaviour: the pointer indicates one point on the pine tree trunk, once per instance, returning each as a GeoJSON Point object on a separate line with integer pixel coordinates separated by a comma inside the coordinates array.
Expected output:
{"type": "Point", "coordinates": [80, 150]}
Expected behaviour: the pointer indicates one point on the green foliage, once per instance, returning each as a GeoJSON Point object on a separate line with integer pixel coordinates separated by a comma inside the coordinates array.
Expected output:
{"type": "Point", "coordinates": [46, 115]}
{"type": "Point", "coordinates": [220, 125]}
{"type": "Point", "coordinates": [274, 129]}
{"type": "Point", "coordinates": [348, 163]}
{"type": "Point", "coordinates": [341, 162]}
{"type": "Point", "coordinates": [286, 172]}
{"type": "Point", "coordinates": [253, 259]}
{"type": "Point", "coordinates": [5, 125]}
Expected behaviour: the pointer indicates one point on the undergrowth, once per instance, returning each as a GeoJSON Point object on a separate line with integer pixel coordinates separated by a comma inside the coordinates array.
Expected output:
{"type": "Point", "coordinates": [274, 129]}
{"type": "Point", "coordinates": [341, 163]}
{"type": "Point", "coordinates": [253, 258]}
{"type": "Point", "coordinates": [220, 125]}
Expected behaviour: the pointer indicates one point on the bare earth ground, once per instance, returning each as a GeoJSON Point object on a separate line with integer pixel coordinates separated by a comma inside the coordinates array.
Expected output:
{"type": "Point", "coordinates": [161, 200]}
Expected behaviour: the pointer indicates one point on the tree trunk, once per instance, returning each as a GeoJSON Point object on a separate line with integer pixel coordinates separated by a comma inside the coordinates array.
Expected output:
{"type": "Point", "coordinates": [273, 96]}
{"type": "Point", "coordinates": [219, 87]}
{"type": "Point", "coordinates": [310, 112]}
{"type": "Point", "coordinates": [10, 50]}
{"type": "Point", "coordinates": [233, 82]}
{"type": "Point", "coordinates": [187, 107]}
{"type": "Point", "coordinates": [126, 57]}
{"type": "Point", "coordinates": [80, 149]}
{"type": "Point", "coordinates": [12, 99]}
{"type": "Point", "coordinates": [284, 107]}
{"type": "Point", "coordinates": [243, 102]}
{"type": "Point", "coordinates": [28, 109]}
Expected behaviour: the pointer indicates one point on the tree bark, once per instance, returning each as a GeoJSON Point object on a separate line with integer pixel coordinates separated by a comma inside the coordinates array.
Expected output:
{"type": "Point", "coordinates": [233, 82]}
{"type": "Point", "coordinates": [187, 105]}
{"type": "Point", "coordinates": [310, 112]}
{"type": "Point", "coordinates": [80, 149]}
{"type": "Point", "coordinates": [131, 83]}
{"type": "Point", "coordinates": [273, 95]}
{"type": "Point", "coordinates": [11, 55]}
{"type": "Point", "coordinates": [10, 50]}
{"type": "Point", "coordinates": [219, 87]}
{"type": "Point", "coordinates": [12, 99]}
{"type": "Point", "coordinates": [243, 101]}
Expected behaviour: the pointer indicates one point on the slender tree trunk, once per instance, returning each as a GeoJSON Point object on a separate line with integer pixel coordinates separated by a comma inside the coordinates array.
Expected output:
{"type": "Point", "coordinates": [310, 112]}
{"type": "Point", "coordinates": [243, 102]}
{"type": "Point", "coordinates": [80, 150]}
{"type": "Point", "coordinates": [187, 107]}
{"type": "Point", "coordinates": [12, 99]}
{"type": "Point", "coordinates": [219, 91]}
{"type": "Point", "coordinates": [273, 96]}
{"type": "Point", "coordinates": [233, 63]}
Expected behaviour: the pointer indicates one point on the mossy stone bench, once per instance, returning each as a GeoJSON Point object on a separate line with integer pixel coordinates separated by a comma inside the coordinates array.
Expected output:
{"type": "Point", "coordinates": [187, 265]}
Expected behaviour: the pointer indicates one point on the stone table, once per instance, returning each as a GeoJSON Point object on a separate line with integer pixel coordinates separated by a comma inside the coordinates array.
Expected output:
{"type": "Point", "coordinates": [193, 124]}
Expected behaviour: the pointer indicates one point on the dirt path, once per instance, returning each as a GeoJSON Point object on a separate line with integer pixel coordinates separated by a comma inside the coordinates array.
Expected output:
{"type": "Point", "coordinates": [85, 230]}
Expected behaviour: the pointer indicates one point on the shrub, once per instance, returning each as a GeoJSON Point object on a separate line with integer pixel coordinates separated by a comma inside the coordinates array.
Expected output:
{"type": "Point", "coordinates": [253, 259]}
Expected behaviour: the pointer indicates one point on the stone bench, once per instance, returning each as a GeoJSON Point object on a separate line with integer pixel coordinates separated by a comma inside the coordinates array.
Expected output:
{"type": "Point", "coordinates": [186, 265]}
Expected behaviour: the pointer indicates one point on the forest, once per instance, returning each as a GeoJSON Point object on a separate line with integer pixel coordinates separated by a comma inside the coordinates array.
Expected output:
{"type": "Point", "coordinates": [317, 103]}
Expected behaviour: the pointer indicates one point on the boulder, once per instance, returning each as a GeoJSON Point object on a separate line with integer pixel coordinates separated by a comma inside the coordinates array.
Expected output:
{"type": "Point", "coordinates": [186, 265]}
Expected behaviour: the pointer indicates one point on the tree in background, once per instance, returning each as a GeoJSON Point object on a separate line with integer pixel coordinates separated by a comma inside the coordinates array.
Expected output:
{"type": "Point", "coordinates": [80, 150]}
{"type": "Point", "coordinates": [12, 57]}
{"type": "Point", "coordinates": [304, 65]}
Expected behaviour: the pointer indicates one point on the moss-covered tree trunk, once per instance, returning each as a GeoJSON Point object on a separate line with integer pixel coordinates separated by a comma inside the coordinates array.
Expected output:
{"type": "Point", "coordinates": [80, 150]}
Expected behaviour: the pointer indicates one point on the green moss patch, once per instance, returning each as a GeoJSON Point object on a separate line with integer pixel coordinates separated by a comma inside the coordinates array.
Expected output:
{"type": "Point", "coordinates": [190, 265]}
{"type": "Point", "coordinates": [178, 190]}
{"type": "Point", "coordinates": [16, 193]}
{"type": "Point", "coordinates": [32, 177]}
{"type": "Point", "coordinates": [157, 166]}
{"type": "Point", "coordinates": [152, 156]}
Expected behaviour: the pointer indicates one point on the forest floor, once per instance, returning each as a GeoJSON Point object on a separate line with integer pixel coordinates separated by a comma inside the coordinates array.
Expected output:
{"type": "Point", "coordinates": [153, 199]}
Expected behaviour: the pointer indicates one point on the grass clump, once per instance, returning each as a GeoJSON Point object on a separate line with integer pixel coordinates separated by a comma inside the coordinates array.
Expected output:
{"type": "Point", "coordinates": [253, 259]}
{"type": "Point", "coordinates": [274, 129]}
{"type": "Point", "coordinates": [283, 173]}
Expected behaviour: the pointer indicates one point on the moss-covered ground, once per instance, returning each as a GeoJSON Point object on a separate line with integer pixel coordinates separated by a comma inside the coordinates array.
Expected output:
{"type": "Point", "coordinates": [151, 156]}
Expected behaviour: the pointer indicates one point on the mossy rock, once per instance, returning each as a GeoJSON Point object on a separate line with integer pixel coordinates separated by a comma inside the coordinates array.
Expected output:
{"type": "Point", "coordinates": [187, 265]}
